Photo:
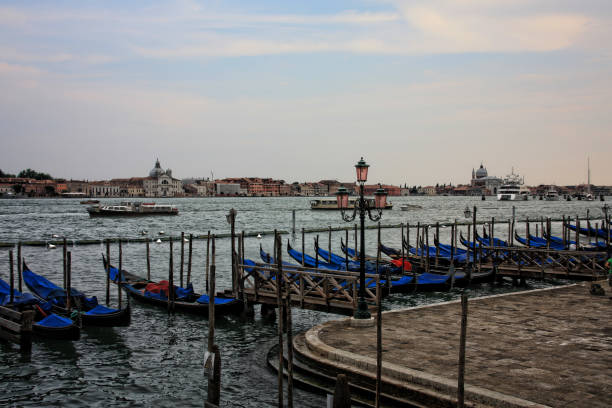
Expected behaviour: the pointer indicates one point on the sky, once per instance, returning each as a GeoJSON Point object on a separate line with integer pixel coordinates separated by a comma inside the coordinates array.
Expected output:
{"type": "Point", "coordinates": [424, 90]}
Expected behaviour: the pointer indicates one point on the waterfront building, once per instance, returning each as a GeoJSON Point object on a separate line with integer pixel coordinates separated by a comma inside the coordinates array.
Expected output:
{"type": "Point", "coordinates": [77, 186]}
{"type": "Point", "coordinates": [104, 189]}
{"type": "Point", "coordinates": [160, 183]}
{"type": "Point", "coordinates": [228, 189]}
{"type": "Point", "coordinates": [428, 190]}
{"type": "Point", "coordinates": [485, 183]}
{"type": "Point", "coordinates": [370, 189]}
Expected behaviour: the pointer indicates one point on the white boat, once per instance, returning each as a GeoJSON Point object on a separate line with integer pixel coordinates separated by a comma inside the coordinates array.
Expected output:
{"type": "Point", "coordinates": [524, 193]}
{"type": "Point", "coordinates": [129, 209]}
{"type": "Point", "coordinates": [332, 204]}
{"type": "Point", "coordinates": [552, 194]}
{"type": "Point", "coordinates": [511, 188]}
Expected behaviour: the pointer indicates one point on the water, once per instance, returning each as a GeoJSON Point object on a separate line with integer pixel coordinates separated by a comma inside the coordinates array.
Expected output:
{"type": "Point", "coordinates": [158, 359]}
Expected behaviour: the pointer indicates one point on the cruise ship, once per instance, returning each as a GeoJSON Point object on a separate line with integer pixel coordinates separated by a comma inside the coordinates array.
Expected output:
{"type": "Point", "coordinates": [511, 189]}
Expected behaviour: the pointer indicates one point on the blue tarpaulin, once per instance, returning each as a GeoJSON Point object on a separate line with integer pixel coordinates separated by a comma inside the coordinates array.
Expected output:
{"type": "Point", "coordinates": [54, 320]}
{"type": "Point", "coordinates": [204, 299]}
{"type": "Point", "coordinates": [100, 310]}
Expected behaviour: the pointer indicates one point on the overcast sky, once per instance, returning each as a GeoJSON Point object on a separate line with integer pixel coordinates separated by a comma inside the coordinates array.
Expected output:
{"type": "Point", "coordinates": [423, 89]}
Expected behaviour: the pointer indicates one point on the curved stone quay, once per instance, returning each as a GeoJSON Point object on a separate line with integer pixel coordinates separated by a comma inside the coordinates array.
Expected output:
{"type": "Point", "coordinates": [546, 347]}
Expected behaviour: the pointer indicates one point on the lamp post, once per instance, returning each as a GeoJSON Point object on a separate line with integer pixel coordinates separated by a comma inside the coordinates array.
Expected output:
{"type": "Point", "coordinates": [362, 206]}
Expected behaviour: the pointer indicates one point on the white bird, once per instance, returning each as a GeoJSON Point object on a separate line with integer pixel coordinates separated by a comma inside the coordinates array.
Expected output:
{"type": "Point", "coordinates": [158, 241]}
{"type": "Point", "coordinates": [51, 246]}
{"type": "Point", "coordinates": [161, 232]}
{"type": "Point", "coordinates": [55, 236]}
{"type": "Point", "coordinates": [185, 239]}
{"type": "Point", "coordinates": [259, 236]}
{"type": "Point", "coordinates": [143, 232]}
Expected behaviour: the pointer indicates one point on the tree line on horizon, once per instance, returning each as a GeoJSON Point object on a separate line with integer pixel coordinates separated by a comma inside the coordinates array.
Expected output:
{"type": "Point", "coordinates": [27, 173]}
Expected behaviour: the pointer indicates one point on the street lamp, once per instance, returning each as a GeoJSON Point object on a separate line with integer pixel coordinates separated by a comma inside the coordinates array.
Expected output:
{"type": "Point", "coordinates": [363, 206]}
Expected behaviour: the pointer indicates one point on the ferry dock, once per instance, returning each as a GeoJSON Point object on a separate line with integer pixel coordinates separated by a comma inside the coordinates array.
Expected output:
{"type": "Point", "coordinates": [538, 348]}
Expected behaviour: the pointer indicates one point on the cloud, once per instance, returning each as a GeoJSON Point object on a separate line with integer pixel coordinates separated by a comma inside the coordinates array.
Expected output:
{"type": "Point", "coordinates": [414, 27]}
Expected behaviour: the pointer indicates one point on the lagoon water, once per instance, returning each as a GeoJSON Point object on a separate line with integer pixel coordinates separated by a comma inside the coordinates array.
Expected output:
{"type": "Point", "coordinates": [158, 360]}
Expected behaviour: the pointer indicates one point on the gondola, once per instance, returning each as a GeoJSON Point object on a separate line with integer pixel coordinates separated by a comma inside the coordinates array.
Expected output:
{"type": "Point", "coordinates": [187, 301]}
{"type": "Point", "coordinates": [309, 261]}
{"type": "Point", "coordinates": [90, 312]}
{"type": "Point", "coordinates": [437, 272]}
{"type": "Point", "coordinates": [46, 325]}
{"type": "Point", "coordinates": [593, 232]}
{"type": "Point", "coordinates": [354, 266]}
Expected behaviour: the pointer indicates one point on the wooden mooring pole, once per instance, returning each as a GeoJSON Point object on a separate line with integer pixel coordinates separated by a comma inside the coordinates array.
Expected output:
{"type": "Point", "coordinates": [12, 278]}
{"type": "Point", "coordinates": [342, 393]}
{"type": "Point", "coordinates": [189, 256]}
{"type": "Point", "coordinates": [119, 277]}
{"type": "Point", "coordinates": [148, 260]}
{"type": "Point", "coordinates": [182, 259]}
{"type": "Point", "coordinates": [64, 249]}
{"type": "Point", "coordinates": [289, 330]}
{"type": "Point", "coordinates": [279, 304]}
{"type": "Point", "coordinates": [213, 356]}
{"type": "Point", "coordinates": [19, 267]}
{"type": "Point", "coordinates": [462, 342]}
{"type": "Point", "coordinates": [207, 258]}
{"type": "Point", "coordinates": [171, 279]}
{"type": "Point", "coordinates": [379, 348]}
{"type": "Point", "coordinates": [108, 262]}
{"type": "Point", "coordinates": [68, 282]}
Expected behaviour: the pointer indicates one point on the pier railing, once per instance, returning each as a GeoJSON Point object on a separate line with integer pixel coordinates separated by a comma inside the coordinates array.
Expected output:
{"type": "Point", "coordinates": [513, 260]}
{"type": "Point", "coordinates": [308, 288]}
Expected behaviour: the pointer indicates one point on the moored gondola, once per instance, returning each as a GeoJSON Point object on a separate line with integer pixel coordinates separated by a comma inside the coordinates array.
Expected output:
{"type": "Point", "coordinates": [89, 311]}
{"type": "Point", "coordinates": [186, 300]}
{"type": "Point", "coordinates": [46, 325]}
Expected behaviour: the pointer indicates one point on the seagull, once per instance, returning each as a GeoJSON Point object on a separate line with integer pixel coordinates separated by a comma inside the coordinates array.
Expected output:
{"type": "Point", "coordinates": [161, 232]}
{"type": "Point", "coordinates": [259, 236]}
{"type": "Point", "coordinates": [185, 239]}
{"type": "Point", "coordinates": [143, 232]}
{"type": "Point", "coordinates": [55, 236]}
{"type": "Point", "coordinates": [158, 241]}
{"type": "Point", "coordinates": [51, 246]}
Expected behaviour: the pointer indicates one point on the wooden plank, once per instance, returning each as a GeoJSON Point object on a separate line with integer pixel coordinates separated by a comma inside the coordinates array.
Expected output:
{"type": "Point", "coordinates": [10, 313]}
{"type": "Point", "coordinates": [13, 338]}
{"type": "Point", "coordinates": [10, 325]}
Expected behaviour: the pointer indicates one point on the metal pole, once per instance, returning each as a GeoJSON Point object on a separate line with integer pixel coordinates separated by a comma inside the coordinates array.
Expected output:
{"type": "Point", "coordinates": [362, 307]}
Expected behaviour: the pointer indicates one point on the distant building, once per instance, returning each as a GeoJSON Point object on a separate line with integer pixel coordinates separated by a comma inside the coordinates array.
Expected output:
{"type": "Point", "coordinates": [104, 189]}
{"type": "Point", "coordinates": [483, 182]}
{"type": "Point", "coordinates": [231, 189]}
{"type": "Point", "coordinates": [160, 183]}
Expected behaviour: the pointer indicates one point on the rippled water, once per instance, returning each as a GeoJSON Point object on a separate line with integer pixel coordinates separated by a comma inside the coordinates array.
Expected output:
{"type": "Point", "coordinates": [158, 359]}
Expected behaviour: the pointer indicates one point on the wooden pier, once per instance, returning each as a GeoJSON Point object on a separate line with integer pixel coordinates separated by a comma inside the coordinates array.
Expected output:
{"type": "Point", "coordinates": [307, 288]}
{"type": "Point", "coordinates": [16, 327]}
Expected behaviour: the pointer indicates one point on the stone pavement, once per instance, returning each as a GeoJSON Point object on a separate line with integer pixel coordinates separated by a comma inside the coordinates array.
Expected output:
{"type": "Point", "coordinates": [548, 347]}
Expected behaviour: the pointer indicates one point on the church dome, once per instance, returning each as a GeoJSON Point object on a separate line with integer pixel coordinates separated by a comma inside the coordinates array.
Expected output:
{"type": "Point", "coordinates": [157, 170]}
{"type": "Point", "coordinates": [481, 172]}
